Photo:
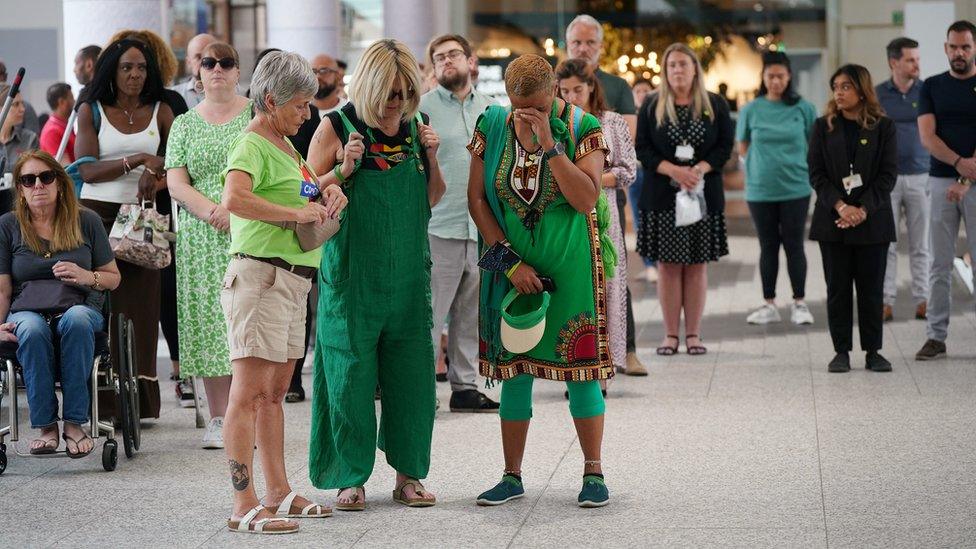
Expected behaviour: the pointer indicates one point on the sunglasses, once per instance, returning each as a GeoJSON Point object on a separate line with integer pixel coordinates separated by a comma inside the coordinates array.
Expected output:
{"type": "Point", "coordinates": [225, 63]}
{"type": "Point", "coordinates": [399, 94]}
{"type": "Point", "coordinates": [29, 179]}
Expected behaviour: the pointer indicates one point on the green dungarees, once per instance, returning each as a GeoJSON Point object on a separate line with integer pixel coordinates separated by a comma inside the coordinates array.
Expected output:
{"type": "Point", "coordinates": [374, 323]}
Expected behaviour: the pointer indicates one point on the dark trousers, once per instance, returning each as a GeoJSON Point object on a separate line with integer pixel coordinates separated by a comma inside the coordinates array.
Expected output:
{"type": "Point", "coordinates": [847, 267]}
{"type": "Point", "coordinates": [781, 223]}
{"type": "Point", "coordinates": [310, 312]}
{"type": "Point", "coordinates": [167, 287]}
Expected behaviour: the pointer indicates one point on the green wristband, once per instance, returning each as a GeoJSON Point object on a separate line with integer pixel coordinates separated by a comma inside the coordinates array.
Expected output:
{"type": "Point", "coordinates": [338, 173]}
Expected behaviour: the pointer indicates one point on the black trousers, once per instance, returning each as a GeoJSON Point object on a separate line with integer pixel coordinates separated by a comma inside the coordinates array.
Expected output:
{"type": "Point", "coordinates": [781, 223]}
{"type": "Point", "coordinates": [847, 267]}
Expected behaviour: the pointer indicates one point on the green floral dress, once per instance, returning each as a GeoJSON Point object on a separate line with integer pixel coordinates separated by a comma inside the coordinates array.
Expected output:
{"type": "Point", "coordinates": [201, 251]}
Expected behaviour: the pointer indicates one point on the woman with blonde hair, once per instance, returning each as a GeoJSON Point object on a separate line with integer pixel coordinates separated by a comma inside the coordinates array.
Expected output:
{"type": "Point", "coordinates": [684, 137]}
{"type": "Point", "coordinates": [374, 316]}
{"type": "Point", "coordinates": [55, 268]}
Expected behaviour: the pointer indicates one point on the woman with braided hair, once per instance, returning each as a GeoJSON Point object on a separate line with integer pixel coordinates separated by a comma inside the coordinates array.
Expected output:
{"type": "Point", "coordinates": [535, 194]}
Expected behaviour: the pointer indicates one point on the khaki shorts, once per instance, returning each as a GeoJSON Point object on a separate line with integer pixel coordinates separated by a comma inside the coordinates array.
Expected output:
{"type": "Point", "coordinates": [265, 308]}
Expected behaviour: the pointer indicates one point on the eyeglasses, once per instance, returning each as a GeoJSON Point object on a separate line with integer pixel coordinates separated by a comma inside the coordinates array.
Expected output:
{"type": "Point", "coordinates": [394, 94]}
{"type": "Point", "coordinates": [29, 179]}
{"type": "Point", "coordinates": [225, 63]}
{"type": "Point", "coordinates": [322, 71]}
{"type": "Point", "coordinates": [453, 55]}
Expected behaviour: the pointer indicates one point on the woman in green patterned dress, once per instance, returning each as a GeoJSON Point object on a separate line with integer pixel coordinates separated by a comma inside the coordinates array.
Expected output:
{"type": "Point", "coordinates": [534, 192]}
{"type": "Point", "coordinates": [195, 159]}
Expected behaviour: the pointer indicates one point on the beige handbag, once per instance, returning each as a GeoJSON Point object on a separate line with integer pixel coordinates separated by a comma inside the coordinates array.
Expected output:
{"type": "Point", "coordinates": [311, 236]}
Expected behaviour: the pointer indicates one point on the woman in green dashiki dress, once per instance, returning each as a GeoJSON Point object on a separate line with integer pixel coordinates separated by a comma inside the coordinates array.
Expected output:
{"type": "Point", "coordinates": [535, 188]}
{"type": "Point", "coordinates": [195, 161]}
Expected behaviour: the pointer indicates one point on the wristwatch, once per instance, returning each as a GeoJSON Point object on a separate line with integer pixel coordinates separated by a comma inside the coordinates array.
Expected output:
{"type": "Point", "coordinates": [555, 151]}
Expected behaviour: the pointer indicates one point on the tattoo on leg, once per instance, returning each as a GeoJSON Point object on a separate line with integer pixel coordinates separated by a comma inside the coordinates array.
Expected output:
{"type": "Point", "coordinates": [238, 476]}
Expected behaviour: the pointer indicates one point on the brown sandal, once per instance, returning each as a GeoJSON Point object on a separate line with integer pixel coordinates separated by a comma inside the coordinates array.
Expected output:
{"type": "Point", "coordinates": [46, 447]}
{"type": "Point", "coordinates": [358, 502]}
{"type": "Point", "coordinates": [424, 499]}
{"type": "Point", "coordinates": [77, 442]}
{"type": "Point", "coordinates": [694, 350]}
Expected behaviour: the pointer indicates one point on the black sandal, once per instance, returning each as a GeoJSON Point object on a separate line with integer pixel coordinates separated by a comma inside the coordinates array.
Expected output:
{"type": "Point", "coordinates": [77, 443]}
{"type": "Point", "coordinates": [295, 394]}
{"type": "Point", "coordinates": [694, 350]}
{"type": "Point", "coordinates": [667, 350]}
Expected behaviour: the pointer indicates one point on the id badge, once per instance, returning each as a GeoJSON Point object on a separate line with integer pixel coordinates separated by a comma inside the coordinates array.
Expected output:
{"type": "Point", "coordinates": [684, 152]}
{"type": "Point", "coordinates": [309, 189]}
{"type": "Point", "coordinates": [852, 182]}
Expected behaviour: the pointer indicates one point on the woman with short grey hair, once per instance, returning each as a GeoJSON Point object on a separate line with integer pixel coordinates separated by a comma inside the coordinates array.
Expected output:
{"type": "Point", "coordinates": [266, 285]}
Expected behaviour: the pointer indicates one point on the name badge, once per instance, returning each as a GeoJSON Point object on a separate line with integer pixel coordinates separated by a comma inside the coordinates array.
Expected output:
{"type": "Point", "coordinates": [309, 189]}
{"type": "Point", "coordinates": [852, 182]}
{"type": "Point", "coordinates": [684, 152]}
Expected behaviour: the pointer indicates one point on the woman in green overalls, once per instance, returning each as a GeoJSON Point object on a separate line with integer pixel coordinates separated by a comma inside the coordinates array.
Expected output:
{"type": "Point", "coordinates": [535, 194]}
{"type": "Point", "coordinates": [374, 312]}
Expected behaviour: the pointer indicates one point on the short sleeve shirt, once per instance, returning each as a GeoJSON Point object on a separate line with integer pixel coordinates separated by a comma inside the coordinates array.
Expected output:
{"type": "Point", "coordinates": [776, 164]}
{"type": "Point", "coordinates": [902, 109]}
{"type": "Point", "coordinates": [617, 93]}
{"type": "Point", "coordinates": [276, 177]}
{"type": "Point", "coordinates": [19, 261]}
{"type": "Point", "coordinates": [953, 102]}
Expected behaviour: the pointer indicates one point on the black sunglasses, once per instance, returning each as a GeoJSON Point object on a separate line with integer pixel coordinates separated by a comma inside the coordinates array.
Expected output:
{"type": "Point", "coordinates": [225, 63]}
{"type": "Point", "coordinates": [29, 179]}
{"type": "Point", "coordinates": [395, 94]}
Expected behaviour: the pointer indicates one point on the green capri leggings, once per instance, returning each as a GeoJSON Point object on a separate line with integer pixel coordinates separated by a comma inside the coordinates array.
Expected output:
{"type": "Point", "coordinates": [585, 398]}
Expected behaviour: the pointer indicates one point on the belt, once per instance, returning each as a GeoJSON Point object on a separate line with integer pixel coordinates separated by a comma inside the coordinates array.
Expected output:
{"type": "Point", "coordinates": [302, 271]}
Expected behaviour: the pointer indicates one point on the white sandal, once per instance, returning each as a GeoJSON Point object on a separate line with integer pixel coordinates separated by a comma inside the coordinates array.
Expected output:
{"type": "Point", "coordinates": [312, 510]}
{"type": "Point", "coordinates": [248, 525]}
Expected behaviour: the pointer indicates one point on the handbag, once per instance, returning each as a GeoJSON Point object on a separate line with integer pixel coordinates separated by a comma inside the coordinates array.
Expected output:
{"type": "Point", "coordinates": [48, 296]}
{"type": "Point", "coordinates": [141, 236]}
{"type": "Point", "coordinates": [311, 236]}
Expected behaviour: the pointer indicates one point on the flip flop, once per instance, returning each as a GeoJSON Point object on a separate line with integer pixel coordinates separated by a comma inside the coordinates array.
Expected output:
{"type": "Point", "coordinates": [46, 448]}
{"type": "Point", "coordinates": [423, 499]}
{"type": "Point", "coordinates": [358, 502]}
{"type": "Point", "coordinates": [77, 443]}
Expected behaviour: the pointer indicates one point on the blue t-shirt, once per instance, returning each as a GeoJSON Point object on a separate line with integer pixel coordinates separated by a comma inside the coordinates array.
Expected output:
{"type": "Point", "coordinates": [776, 163]}
{"type": "Point", "coordinates": [902, 108]}
{"type": "Point", "coordinates": [953, 102]}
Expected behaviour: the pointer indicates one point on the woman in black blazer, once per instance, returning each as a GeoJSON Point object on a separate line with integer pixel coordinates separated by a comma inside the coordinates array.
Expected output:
{"type": "Point", "coordinates": [853, 163]}
{"type": "Point", "coordinates": [684, 137]}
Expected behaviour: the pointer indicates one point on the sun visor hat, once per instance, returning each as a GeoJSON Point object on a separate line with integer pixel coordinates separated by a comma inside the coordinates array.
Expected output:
{"type": "Point", "coordinates": [523, 320]}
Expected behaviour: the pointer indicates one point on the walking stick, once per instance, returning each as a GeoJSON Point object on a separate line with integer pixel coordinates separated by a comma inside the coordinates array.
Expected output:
{"type": "Point", "coordinates": [67, 134]}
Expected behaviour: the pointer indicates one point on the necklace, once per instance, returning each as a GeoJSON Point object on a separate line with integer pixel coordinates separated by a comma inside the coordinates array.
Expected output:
{"type": "Point", "coordinates": [129, 115]}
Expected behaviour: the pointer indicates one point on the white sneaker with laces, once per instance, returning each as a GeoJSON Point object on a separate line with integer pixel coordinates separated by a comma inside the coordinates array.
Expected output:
{"type": "Point", "coordinates": [213, 437]}
{"type": "Point", "coordinates": [800, 314]}
{"type": "Point", "coordinates": [766, 314]}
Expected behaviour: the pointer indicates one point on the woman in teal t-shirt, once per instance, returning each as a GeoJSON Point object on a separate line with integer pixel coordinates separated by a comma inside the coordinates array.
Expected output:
{"type": "Point", "coordinates": [773, 132]}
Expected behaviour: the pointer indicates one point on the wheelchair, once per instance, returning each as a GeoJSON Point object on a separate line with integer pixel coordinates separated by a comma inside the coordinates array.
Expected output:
{"type": "Point", "coordinates": [106, 377]}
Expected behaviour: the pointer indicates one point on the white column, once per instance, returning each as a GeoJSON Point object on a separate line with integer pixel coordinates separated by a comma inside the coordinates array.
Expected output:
{"type": "Point", "coordinates": [95, 21]}
{"type": "Point", "coordinates": [411, 22]}
{"type": "Point", "coordinates": [308, 27]}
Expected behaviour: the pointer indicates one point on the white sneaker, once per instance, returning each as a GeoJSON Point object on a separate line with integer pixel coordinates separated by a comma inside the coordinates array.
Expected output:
{"type": "Point", "coordinates": [766, 314]}
{"type": "Point", "coordinates": [800, 314]}
{"type": "Point", "coordinates": [213, 437]}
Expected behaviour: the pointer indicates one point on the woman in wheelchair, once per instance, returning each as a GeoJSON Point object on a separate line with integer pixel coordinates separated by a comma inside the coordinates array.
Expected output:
{"type": "Point", "coordinates": [55, 266]}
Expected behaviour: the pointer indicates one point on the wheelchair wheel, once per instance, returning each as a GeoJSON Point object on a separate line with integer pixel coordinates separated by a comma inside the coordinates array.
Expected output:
{"type": "Point", "coordinates": [3, 458]}
{"type": "Point", "coordinates": [128, 389]}
{"type": "Point", "coordinates": [135, 424]}
{"type": "Point", "coordinates": [110, 455]}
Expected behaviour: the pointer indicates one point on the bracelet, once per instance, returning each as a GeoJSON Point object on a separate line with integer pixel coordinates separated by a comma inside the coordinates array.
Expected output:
{"type": "Point", "coordinates": [956, 163]}
{"type": "Point", "coordinates": [337, 171]}
{"type": "Point", "coordinates": [841, 209]}
{"type": "Point", "coordinates": [126, 168]}
{"type": "Point", "coordinates": [95, 283]}
{"type": "Point", "coordinates": [511, 270]}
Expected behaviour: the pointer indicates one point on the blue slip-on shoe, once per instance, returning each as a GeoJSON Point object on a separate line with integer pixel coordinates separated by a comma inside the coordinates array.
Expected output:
{"type": "Point", "coordinates": [508, 489]}
{"type": "Point", "coordinates": [594, 493]}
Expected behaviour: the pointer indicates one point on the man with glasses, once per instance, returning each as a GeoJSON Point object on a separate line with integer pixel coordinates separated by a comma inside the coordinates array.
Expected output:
{"type": "Point", "coordinates": [454, 107]}
{"type": "Point", "coordinates": [192, 88]}
{"type": "Point", "coordinates": [946, 122]}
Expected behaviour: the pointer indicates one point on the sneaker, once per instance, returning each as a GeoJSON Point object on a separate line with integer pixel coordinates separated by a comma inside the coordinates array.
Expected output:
{"type": "Point", "coordinates": [594, 493]}
{"type": "Point", "coordinates": [766, 314]}
{"type": "Point", "coordinates": [634, 366]}
{"type": "Point", "coordinates": [471, 401]}
{"type": "Point", "coordinates": [841, 363]}
{"type": "Point", "coordinates": [887, 314]}
{"type": "Point", "coordinates": [184, 393]}
{"type": "Point", "coordinates": [508, 489]}
{"type": "Point", "coordinates": [931, 350]}
{"type": "Point", "coordinates": [213, 437]}
{"type": "Point", "coordinates": [876, 363]}
{"type": "Point", "coordinates": [800, 314]}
